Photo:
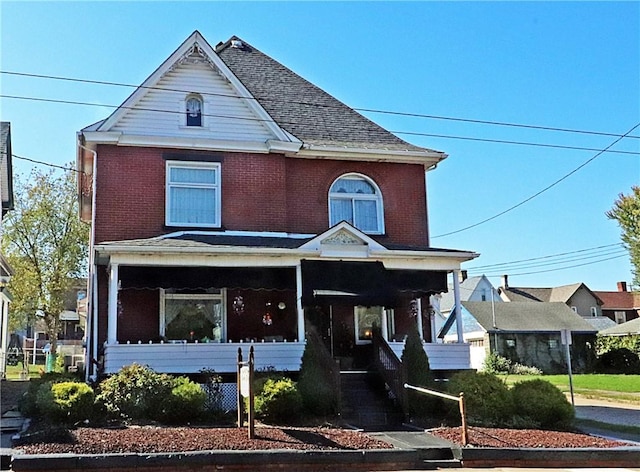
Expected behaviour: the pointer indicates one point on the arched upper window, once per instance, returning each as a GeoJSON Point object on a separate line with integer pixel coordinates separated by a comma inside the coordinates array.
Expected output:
{"type": "Point", "coordinates": [194, 110]}
{"type": "Point", "coordinates": [357, 200]}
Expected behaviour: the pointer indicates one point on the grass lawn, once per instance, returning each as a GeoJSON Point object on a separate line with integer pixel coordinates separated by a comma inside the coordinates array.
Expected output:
{"type": "Point", "coordinates": [606, 386]}
{"type": "Point", "coordinates": [13, 371]}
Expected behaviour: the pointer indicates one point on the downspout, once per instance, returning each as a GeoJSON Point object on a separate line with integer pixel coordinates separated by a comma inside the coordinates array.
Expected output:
{"type": "Point", "coordinates": [92, 279]}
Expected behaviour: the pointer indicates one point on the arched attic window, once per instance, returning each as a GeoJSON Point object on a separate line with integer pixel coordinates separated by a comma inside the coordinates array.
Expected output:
{"type": "Point", "coordinates": [194, 106]}
{"type": "Point", "coordinates": [356, 199]}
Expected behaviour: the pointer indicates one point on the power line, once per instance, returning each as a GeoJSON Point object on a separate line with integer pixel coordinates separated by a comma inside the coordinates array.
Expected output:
{"type": "Point", "coordinates": [561, 268]}
{"type": "Point", "coordinates": [550, 256]}
{"type": "Point", "coordinates": [47, 164]}
{"type": "Point", "coordinates": [321, 105]}
{"type": "Point", "coordinates": [548, 187]}
{"type": "Point", "coordinates": [615, 252]}
{"type": "Point", "coordinates": [241, 118]}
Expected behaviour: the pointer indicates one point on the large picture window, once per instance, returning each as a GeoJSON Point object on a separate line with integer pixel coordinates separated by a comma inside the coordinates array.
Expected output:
{"type": "Point", "coordinates": [193, 194]}
{"type": "Point", "coordinates": [193, 317]}
{"type": "Point", "coordinates": [357, 200]}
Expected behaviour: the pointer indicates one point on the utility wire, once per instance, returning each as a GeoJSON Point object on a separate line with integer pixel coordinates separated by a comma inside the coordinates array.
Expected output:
{"type": "Point", "coordinates": [47, 164]}
{"type": "Point", "coordinates": [321, 105]}
{"type": "Point", "coordinates": [550, 256]}
{"type": "Point", "coordinates": [241, 118]}
{"type": "Point", "coordinates": [548, 187]}
{"type": "Point", "coordinates": [616, 252]}
{"type": "Point", "coordinates": [561, 268]}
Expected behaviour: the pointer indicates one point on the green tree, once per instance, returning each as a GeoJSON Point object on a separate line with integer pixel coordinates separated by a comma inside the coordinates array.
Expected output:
{"type": "Point", "coordinates": [47, 246]}
{"type": "Point", "coordinates": [626, 211]}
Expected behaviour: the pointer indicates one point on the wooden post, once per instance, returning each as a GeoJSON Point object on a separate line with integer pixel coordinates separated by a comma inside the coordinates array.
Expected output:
{"type": "Point", "coordinates": [463, 415]}
{"type": "Point", "coordinates": [251, 408]}
{"type": "Point", "coordinates": [238, 394]}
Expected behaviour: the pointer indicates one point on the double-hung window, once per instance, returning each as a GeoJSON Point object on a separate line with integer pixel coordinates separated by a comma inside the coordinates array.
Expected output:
{"type": "Point", "coordinates": [193, 194]}
{"type": "Point", "coordinates": [357, 200]}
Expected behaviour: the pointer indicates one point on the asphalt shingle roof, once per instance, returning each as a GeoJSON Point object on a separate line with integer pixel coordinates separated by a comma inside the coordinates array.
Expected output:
{"type": "Point", "coordinates": [628, 328]}
{"type": "Point", "coordinates": [527, 317]}
{"type": "Point", "coordinates": [302, 109]}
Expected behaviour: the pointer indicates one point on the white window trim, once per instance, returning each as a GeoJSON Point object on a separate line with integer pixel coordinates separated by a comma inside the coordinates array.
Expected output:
{"type": "Point", "coordinates": [202, 165]}
{"type": "Point", "coordinates": [164, 296]}
{"type": "Point", "coordinates": [183, 111]}
{"type": "Point", "coordinates": [377, 197]}
{"type": "Point", "coordinates": [594, 311]}
{"type": "Point", "coordinates": [620, 315]}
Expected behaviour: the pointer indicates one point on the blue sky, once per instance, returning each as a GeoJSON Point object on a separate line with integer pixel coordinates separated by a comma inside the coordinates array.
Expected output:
{"type": "Point", "coordinates": [553, 64]}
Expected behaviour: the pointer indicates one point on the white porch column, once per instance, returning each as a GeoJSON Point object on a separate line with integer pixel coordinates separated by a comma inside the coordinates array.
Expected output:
{"type": "Point", "coordinates": [112, 325]}
{"type": "Point", "coordinates": [419, 307]}
{"type": "Point", "coordinates": [456, 305]}
{"type": "Point", "coordinates": [300, 311]}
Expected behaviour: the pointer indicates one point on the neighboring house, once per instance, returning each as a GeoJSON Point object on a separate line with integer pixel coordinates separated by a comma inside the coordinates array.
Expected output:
{"type": "Point", "coordinates": [620, 306]}
{"type": "Point", "coordinates": [6, 196]}
{"type": "Point", "coordinates": [527, 333]}
{"type": "Point", "coordinates": [630, 328]}
{"type": "Point", "coordinates": [234, 203]}
{"type": "Point", "coordinates": [576, 296]}
{"type": "Point", "coordinates": [472, 289]}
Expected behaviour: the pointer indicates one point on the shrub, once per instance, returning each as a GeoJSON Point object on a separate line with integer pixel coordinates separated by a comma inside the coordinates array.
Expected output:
{"type": "Point", "coordinates": [619, 361]}
{"type": "Point", "coordinates": [185, 403]}
{"type": "Point", "coordinates": [542, 403]}
{"type": "Point", "coordinates": [279, 401]}
{"type": "Point", "coordinates": [135, 392]}
{"type": "Point", "coordinates": [27, 404]}
{"type": "Point", "coordinates": [496, 364]}
{"type": "Point", "coordinates": [418, 373]}
{"type": "Point", "coordinates": [318, 379]}
{"type": "Point", "coordinates": [487, 398]}
{"type": "Point", "coordinates": [67, 402]}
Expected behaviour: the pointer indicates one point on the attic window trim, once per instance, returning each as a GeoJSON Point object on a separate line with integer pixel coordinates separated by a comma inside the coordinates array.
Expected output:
{"type": "Point", "coordinates": [194, 111]}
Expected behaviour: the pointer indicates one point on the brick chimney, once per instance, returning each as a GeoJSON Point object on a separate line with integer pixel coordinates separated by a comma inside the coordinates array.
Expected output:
{"type": "Point", "coordinates": [622, 286]}
{"type": "Point", "coordinates": [505, 281]}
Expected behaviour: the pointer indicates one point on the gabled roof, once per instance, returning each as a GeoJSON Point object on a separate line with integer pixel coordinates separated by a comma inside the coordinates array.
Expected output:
{"type": "Point", "coordinates": [303, 119]}
{"type": "Point", "coordinates": [467, 288]}
{"type": "Point", "coordinates": [6, 172]}
{"type": "Point", "coordinates": [619, 300]}
{"type": "Point", "coordinates": [304, 110]}
{"type": "Point", "coordinates": [623, 329]}
{"type": "Point", "coordinates": [527, 317]}
{"type": "Point", "coordinates": [562, 293]}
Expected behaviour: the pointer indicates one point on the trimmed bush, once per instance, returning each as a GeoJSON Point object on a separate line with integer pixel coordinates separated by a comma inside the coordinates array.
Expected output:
{"type": "Point", "coordinates": [487, 398]}
{"type": "Point", "coordinates": [185, 403]}
{"type": "Point", "coordinates": [66, 402]}
{"type": "Point", "coordinates": [136, 392]}
{"type": "Point", "coordinates": [279, 401]}
{"type": "Point", "coordinates": [418, 373]}
{"type": "Point", "coordinates": [27, 404]}
{"type": "Point", "coordinates": [318, 379]}
{"type": "Point", "coordinates": [619, 361]}
{"type": "Point", "coordinates": [542, 403]}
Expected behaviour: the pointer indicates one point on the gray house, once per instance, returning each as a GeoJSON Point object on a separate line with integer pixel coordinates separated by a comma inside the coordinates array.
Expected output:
{"type": "Point", "coordinates": [527, 333]}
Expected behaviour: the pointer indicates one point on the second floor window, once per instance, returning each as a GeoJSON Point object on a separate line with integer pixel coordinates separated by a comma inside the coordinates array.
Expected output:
{"type": "Point", "coordinates": [357, 200]}
{"type": "Point", "coordinates": [194, 110]}
{"type": "Point", "coordinates": [193, 194]}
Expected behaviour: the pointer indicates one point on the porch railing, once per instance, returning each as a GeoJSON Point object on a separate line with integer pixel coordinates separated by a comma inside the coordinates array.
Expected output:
{"type": "Point", "coordinates": [391, 369]}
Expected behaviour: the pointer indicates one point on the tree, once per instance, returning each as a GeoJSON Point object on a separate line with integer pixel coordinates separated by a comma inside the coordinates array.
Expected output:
{"type": "Point", "coordinates": [47, 245]}
{"type": "Point", "coordinates": [626, 211]}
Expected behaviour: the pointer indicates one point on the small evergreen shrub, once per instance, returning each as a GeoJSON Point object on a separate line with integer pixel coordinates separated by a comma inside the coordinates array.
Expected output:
{"type": "Point", "coordinates": [66, 402]}
{"type": "Point", "coordinates": [619, 361]}
{"type": "Point", "coordinates": [27, 404]}
{"type": "Point", "coordinates": [542, 403]}
{"type": "Point", "coordinates": [135, 392]}
{"type": "Point", "coordinates": [279, 401]}
{"type": "Point", "coordinates": [185, 403]}
{"type": "Point", "coordinates": [418, 373]}
{"type": "Point", "coordinates": [487, 398]}
{"type": "Point", "coordinates": [496, 364]}
{"type": "Point", "coordinates": [318, 379]}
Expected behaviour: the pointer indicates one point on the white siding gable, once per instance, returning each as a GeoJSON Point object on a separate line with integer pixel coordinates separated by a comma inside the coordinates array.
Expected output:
{"type": "Point", "coordinates": [161, 110]}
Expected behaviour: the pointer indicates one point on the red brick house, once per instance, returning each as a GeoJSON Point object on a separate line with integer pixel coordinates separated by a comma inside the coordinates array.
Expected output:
{"type": "Point", "coordinates": [233, 202]}
{"type": "Point", "coordinates": [620, 306]}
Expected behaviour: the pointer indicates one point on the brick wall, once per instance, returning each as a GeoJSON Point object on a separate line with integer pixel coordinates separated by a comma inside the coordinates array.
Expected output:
{"type": "Point", "coordinates": [260, 192]}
